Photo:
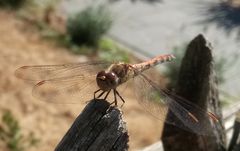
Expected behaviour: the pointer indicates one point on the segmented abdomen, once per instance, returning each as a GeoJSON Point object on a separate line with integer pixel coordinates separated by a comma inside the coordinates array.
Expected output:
{"type": "Point", "coordinates": [140, 67]}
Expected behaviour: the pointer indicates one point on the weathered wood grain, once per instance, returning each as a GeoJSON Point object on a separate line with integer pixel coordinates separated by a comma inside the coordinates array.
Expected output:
{"type": "Point", "coordinates": [98, 128]}
{"type": "Point", "coordinates": [197, 83]}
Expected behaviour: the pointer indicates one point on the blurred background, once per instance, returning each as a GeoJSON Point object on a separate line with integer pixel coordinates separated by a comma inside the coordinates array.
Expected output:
{"type": "Point", "coordinates": [61, 31]}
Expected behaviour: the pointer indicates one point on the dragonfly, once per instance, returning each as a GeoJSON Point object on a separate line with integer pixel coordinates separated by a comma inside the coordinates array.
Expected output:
{"type": "Point", "coordinates": [69, 83]}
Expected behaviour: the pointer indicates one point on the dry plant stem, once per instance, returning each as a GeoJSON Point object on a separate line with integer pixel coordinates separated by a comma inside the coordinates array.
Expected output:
{"type": "Point", "coordinates": [235, 139]}
{"type": "Point", "coordinates": [99, 127]}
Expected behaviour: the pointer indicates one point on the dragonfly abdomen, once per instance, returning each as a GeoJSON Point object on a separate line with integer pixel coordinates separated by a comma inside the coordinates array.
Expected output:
{"type": "Point", "coordinates": [140, 67]}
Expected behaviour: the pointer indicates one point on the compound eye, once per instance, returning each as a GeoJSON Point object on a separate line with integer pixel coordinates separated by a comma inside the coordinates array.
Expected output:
{"type": "Point", "coordinates": [101, 75]}
{"type": "Point", "coordinates": [111, 76]}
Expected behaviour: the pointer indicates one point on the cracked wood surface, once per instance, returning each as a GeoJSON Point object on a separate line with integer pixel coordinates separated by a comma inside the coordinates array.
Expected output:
{"type": "Point", "coordinates": [99, 127]}
{"type": "Point", "coordinates": [197, 83]}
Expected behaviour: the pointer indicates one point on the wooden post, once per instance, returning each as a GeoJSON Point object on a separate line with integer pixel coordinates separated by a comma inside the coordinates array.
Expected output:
{"type": "Point", "coordinates": [197, 83]}
{"type": "Point", "coordinates": [98, 128]}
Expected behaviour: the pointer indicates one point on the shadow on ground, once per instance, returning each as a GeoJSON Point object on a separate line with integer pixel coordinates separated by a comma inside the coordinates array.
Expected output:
{"type": "Point", "coordinates": [224, 15]}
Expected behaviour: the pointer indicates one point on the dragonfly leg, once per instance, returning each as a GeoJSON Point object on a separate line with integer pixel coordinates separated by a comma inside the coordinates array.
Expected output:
{"type": "Point", "coordinates": [115, 97]}
{"type": "Point", "coordinates": [95, 93]}
{"type": "Point", "coordinates": [101, 94]}
{"type": "Point", "coordinates": [120, 96]}
{"type": "Point", "coordinates": [106, 94]}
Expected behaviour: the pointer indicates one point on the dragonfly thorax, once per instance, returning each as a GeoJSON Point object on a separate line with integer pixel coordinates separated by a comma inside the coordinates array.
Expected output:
{"type": "Point", "coordinates": [107, 80]}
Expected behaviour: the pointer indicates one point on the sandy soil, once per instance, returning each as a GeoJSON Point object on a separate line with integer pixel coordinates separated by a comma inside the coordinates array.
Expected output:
{"type": "Point", "coordinates": [21, 45]}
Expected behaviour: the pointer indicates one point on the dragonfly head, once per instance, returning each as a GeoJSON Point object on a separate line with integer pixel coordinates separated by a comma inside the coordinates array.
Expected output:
{"type": "Point", "coordinates": [107, 80]}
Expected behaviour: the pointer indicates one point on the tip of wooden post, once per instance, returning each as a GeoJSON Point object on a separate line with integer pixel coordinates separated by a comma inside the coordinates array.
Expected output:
{"type": "Point", "coordinates": [98, 123]}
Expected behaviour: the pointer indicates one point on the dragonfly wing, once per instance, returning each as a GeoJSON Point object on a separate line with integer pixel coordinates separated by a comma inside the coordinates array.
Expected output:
{"type": "Point", "coordinates": [148, 97]}
{"type": "Point", "coordinates": [73, 89]}
{"type": "Point", "coordinates": [67, 83]}
{"type": "Point", "coordinates": [181, 112]}
{"type": "Point", "coordinates": [46, 72]}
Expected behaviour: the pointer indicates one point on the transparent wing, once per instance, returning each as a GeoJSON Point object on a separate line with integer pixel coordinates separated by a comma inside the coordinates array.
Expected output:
{"type": "Point", "coordinates": [46, 72]}
{"type": "Point", "coordinates": [181, 113]}
{"type": "Point", "coordinates": [74, 89]}
{"type": "Point", "coordinates": [67, 83]}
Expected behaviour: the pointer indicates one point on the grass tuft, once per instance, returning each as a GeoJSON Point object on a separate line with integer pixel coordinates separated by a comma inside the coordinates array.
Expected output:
{"type": "Point", "coordinates": [12, 4]}
{"type": "Point", "coordinates": [11, 136]}
{"type": "Point", "coordinates": [88, 26]}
